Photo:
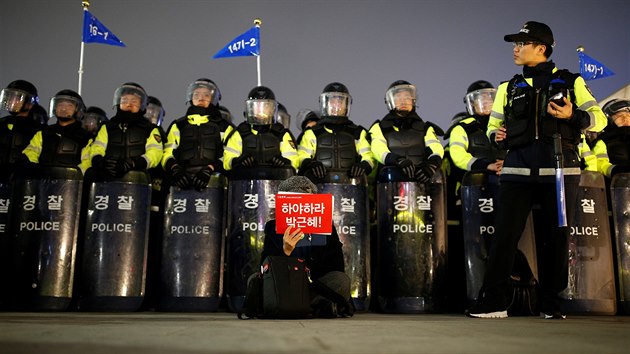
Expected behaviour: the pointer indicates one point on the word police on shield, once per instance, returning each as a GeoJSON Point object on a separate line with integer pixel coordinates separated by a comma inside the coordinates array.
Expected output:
{"type": "Point", "coordinates": [313, 213]}
{"type": "Point", "coordinates": [247, 44]}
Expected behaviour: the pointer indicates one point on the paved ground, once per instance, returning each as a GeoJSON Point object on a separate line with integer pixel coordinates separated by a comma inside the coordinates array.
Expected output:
{"type": "Point", "coordinates": [154, 332]}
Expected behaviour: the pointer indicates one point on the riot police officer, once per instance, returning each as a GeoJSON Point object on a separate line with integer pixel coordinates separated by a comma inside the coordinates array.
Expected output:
{"type": "Point", "coordinates": [403, 139]}
{"type": "Point", "coordinates": [612, 146]}
{"type": "Point", "coordinates": [260, 141]}
{"type": "Point", "coordinates": [532, 112]}
{"type": "Point", "coordinates": [127, 141]}
{"type": "Point", "coordinates": [66, 143]}
{"type": "Point", "coordinates": [335, 143]}
{"type": "Point", "coordinates": [17, 129]}
{"type": "Point", "coordinates": [305, 119]}
{"type": "Point", "coordinates": [283, 116]}
{"type": "Point", "coordinates": [93, 118]}
{"type": "Point", "coordinates": [155, 111]}
{"type": "Point", "coordinates": [194, 148]}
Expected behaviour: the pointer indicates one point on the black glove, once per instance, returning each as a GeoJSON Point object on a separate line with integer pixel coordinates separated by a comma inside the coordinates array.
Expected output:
{"type": "Point", "coordinates": [104, 165]}
{"type": "Point", "coordinates": [123, 166]}
{"type": "Point", "coordinates": [202, 177]}
{"type": "Point", "coordinates": [360, 169]}
{"type": "Point", "coordinates": [244, 161]}
{"type": "Point", "coordinates": [317, 169]}
{"type": "Point", "coordinates": [280, 161]}
{"type": "Point", "coordinates": [177, 174]}
{"type": "Point", "coordinates": [407, 167]}
{"type": "Point", "coordinates": [139, 163]}
{"type": "Point", "coordinates": [619, 169]}
{"type": "Point", "coordinates": [427, 169]}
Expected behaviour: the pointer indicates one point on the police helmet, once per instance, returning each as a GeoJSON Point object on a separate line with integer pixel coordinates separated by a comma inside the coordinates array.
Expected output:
{"type": "Point", "coordinates": [616, 105]}
{"type": "Point", "coordinates": [479, 98]}
{"type": "Point", "coordinates": [66, 104]}
{"type": "Point", "coordinates": [225, 113]}
{"type": "Point", "coordinates": [335, 100]}
{"type": "Point", "coordinates": [18, 96]}
{"type": "Point", "coordinates": [155, 111]}
{"type": "Point", "coordinates": [212, 95]}
{"type": "Point", "coordinates": [304, 117]}
{"type": "Point", "coordinates": [283, 116]}
{"type": "Point", "coordinates": [401, 96]}
{"type": "Point", "coordinates": [39, 114]}
{"type": "Point", "coordinates": [131, 88]}
{"type": "Point", "coordinates": [93, 118]}
{"type": "Point", "coordinates": [261, 106]}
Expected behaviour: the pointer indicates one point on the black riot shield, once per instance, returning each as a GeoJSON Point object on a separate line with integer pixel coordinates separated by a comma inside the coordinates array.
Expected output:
{"type": "Point", "coordinates": [411, 252]}
{"type": "Point", "coordinates": [5, 273]}
{"type": "Point", "coordinates": [479, 190]}
{"type": "Point", "coordinates": [620, 195]}
{"type": "Point", "coordinates": [44, 230]}
{"type": "Point", "coordinates": [350, 217]}
{"type": "Point", "coordinates": [251, 203]}
{"type": "Point", "coordinates": [591, 283]}
{"type": "Point", "coordinates": [191, 269]}
{"type": "Point", "coordinates": [115, 244]}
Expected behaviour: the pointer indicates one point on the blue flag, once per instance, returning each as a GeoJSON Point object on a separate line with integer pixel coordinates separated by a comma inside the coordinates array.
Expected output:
{"type": "Point", "coordinates": [95, 32]}
{"type": "Point", "coordinates": [591, 69]}
{"type": "Point", "coordinates": [247, 44]}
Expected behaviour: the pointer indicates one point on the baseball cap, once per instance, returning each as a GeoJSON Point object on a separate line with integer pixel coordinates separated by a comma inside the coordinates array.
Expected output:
{"type": "Point", "coordinates": [534, 32]}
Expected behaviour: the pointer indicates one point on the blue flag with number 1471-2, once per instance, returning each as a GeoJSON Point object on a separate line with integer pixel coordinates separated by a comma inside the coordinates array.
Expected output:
{"type": "Point", "coordinates": [247, 44]}
{"type": "Point", "coordinates": [96, 32]}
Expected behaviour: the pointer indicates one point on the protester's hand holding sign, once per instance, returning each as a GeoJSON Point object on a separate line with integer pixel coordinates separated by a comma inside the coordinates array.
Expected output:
{"type": "Point", "coordinates": [291, 237]}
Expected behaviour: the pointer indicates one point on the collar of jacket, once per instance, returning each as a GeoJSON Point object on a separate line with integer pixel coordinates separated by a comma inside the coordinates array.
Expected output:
{"type": "Point", "coordinates": [197, 119]}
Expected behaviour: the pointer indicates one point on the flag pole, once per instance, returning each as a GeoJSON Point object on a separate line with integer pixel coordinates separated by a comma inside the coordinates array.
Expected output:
{"type": "Point", "coordinates": [85, 4]}
{"type": "Point", "coordinates": [257, 23]}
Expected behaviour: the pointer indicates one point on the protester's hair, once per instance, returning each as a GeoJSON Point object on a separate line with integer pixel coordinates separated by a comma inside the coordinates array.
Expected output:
{"type": "Point", "coordinates": [297, 184]}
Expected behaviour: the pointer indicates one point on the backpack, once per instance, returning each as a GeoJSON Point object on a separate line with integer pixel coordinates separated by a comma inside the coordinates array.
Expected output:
{"type": "Point", "coordinates": [280, 290]}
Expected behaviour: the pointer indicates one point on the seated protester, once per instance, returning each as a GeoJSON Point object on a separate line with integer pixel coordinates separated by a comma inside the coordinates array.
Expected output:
{"type": "Point", "coordinates": [612, 146]}
{"type": "Point", "coordinates": [323, 257]}
{"type": "Point", "coordinates": [65, 143]}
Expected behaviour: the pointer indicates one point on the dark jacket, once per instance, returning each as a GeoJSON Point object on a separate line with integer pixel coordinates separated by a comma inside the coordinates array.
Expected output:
{"type": "Point", "coordinates": [320, 259]}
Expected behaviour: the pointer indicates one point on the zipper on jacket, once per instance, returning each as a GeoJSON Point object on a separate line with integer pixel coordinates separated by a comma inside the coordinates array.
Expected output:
{"type": "Point", "coordinates": [537, 112]}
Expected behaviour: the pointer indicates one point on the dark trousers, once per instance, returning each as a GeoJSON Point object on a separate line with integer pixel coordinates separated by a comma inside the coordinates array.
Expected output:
{"type": "Point", "coordinates": [514, 202]}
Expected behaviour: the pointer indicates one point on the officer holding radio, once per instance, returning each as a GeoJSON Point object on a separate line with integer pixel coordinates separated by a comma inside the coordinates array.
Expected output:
{"type": "Point", "coordinates": [534, 111]}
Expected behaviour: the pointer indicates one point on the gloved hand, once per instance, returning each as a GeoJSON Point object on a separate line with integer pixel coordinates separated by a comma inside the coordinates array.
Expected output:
{"type": "Point", "coordinates": [244, 161]}
{"type": "Point", "coordinates": [360, 169]}
{"type": "Point", "coordinates": [202, 177]}
{"type": "Point", "coordinates": [316, 169]}
{"type": "Point", "coordinates": [123, 166]}
{"type": "Point", "coordinates": [619, 169]}
{"type": "Point", "coordinates": [280, 161]}
{"type": "Point", "coordinates": [177, 174]}
{"type": "Point", "coordinates": [407, 167]}
{"type": "Point", "coordinates": [427, 169]}
{"type": "Point", "coordinates": [104, 165]}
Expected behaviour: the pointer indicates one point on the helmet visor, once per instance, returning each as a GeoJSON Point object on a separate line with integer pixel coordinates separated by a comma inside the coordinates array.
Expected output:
{"type": "Point", "coordinates": [202, 93]}
{"type": "Point", "coordinates": [66, 107]}
{"type": "Point", "coordinates": [479, 102]}
{"type": "Point", "coordinates": [154, 114]}
{"type": "Point", "coordinates": [401, 98]}
{"type": "Point", "coordinates": [260, 111]}
{"type": "Point", "coordinates": [285, 119]}
{"type": "Point", "coordinates": [336, 104]}
{"type": "Point", "coordinates": [130, 95]}
{"type": "Point", "coordinates": [15, 101]}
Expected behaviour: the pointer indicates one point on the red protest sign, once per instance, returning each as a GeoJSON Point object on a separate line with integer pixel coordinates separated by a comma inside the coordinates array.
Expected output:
{"type": "Point", "coordinates": [313, 213]}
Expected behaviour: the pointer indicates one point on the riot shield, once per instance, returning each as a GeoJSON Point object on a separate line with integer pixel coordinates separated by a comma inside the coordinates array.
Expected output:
{"type": "Point", "coordinates": [115, 244]}
{"type": "Point", "coordinates": [411, 252]}
{"type": "Point", "coordinates": [44, 230]}
{"type": "Point", "coordinates": [5, 273]}
{"type": "Point", "coordinates": [351, 219]}
{"type": "Point", "coordinates": [591, 283]}
{"type": "Point", "coordinates": [479, 190]}
{"type": "Point", "coordinates": [191, 269]}
{"type": "Point", "coordinates": [251, 203]}
{"type": "Point", "coordinates": [620, 195]}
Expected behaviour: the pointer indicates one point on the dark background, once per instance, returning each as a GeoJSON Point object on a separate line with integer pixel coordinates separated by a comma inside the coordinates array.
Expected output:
{"type": "Point", "coordinates": [440, 46]}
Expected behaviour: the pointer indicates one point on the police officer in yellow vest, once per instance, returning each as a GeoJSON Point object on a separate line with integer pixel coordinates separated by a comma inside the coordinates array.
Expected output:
{"type": "Point", "coordinates": [403, 139]}
{"type": "Point", "coordinates": [335, 143]}
{"type": "Point", "coordinates": [194, 149]}
{"type": "Point", "coordinates": [528, 111]}
{"type": "Point", "coordinates": [127, 141]}
{"type": "Point", "coordinates": [65, 143]}
{"type": "Point", "coordinates": [260, 141]}
{"type": "Point", "coordinates": [612, 146]}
